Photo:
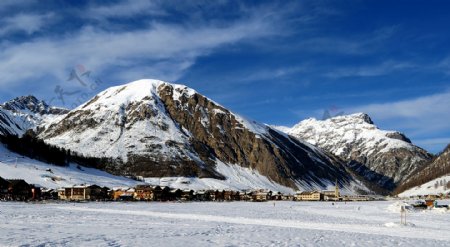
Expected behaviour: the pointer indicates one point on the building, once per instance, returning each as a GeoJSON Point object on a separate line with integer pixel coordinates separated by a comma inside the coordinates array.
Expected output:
{"type": "Point", "coordinates": [309, 196]}
{"type": "Point", "coordinates": [261, 195]}
{"type": "Point", "coordinates": [123, 194]}
{"type": "Point", "coordinates": [49, 194]}
{"type": "Point", "coordinates": [18, 189]}
{"type": "Point", "coordinates": [227, 195]}
{"type": "Point", "coordinates": [187, 195]}
{"type": "Point", "coordinates": [143, 192]}
{"type": "Point", "coordinates": [4, 185]}
{"type": "Point", "coordinates": [202, 195]}
{"type": "Point", "coordinates": [356, 198]}
{"type": "Point", "coordinates": [245, 196]}
{"type": "Point", "coordinates": [161, 193]}
{"type": "Point", "coordinates": [332, 195]}
{"type": "Point", "coordinates": [218, 196]}
{"type": "Point", "coordinates": [83, 193]}
{"type": "Point", "coordinates": [277, 196]}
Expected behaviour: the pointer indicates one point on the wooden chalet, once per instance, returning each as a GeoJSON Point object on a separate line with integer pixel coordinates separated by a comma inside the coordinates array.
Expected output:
{"type": "Point", "coordinates": [18, 189]}
{"type": "Point", "coordinates": [144, 192]}
{"type": "Point", "coordinates": [161, 193]}
{"type": "Point", "coordinates": [4, 186]}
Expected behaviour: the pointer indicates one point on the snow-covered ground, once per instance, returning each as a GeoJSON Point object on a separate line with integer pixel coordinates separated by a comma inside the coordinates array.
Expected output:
{"type": "Point", "coordinates": [220, 224]}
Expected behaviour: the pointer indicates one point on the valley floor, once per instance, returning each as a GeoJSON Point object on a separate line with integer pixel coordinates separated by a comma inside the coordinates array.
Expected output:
{"type": "Point", "coordinates": [220, 224]}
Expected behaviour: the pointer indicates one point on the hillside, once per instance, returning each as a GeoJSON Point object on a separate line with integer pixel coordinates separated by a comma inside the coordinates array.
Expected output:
{"type": "Point", "coordinates": [431, 179]}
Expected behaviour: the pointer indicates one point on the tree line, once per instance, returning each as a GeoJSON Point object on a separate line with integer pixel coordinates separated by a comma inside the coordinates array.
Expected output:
{"type": "Point", "coordinates": [30, 146]}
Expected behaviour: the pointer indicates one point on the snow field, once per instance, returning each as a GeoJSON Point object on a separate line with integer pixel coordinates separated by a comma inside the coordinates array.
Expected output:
{"type": "Point", "coordinates": [219, 224]}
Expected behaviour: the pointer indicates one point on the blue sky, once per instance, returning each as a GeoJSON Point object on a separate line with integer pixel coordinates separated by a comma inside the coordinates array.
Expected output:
{"type": "Point", "coordinates": [275, 62]}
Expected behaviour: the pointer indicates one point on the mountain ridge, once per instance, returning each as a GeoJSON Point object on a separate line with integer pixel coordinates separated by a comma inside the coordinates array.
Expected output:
{"type": "Point", "coordinates": [385, 157]}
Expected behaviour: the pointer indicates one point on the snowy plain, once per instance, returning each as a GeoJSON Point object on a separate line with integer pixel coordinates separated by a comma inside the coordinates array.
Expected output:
{"type": "Point", "coordinates": [220, 224]}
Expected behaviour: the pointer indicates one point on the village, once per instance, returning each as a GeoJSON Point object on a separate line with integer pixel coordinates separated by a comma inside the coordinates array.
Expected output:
{"type": "Point", "coordinates": [20, 190]}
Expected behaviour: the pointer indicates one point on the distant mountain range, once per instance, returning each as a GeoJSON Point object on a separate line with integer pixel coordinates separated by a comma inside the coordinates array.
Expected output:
{"type": "Point", "coordinates": [166, 132]}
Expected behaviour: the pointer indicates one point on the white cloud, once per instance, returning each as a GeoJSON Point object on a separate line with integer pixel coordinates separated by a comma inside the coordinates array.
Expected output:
{"type": "Point", "coordinates": [28, 23]}
{"type": "Point", "coordinates": [176, 46]}
{"type": "Point", "coordinates": [125, 8]}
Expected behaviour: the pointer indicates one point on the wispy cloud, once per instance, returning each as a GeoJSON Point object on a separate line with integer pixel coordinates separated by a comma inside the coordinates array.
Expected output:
{"type": "Point", "coordinates": [28, 23]}
{"type": "Point", "coordinates": [384, 68]}
{"type": "Point", "coordinates": [272, 73]}
{"type": "Point", "coordinates": [125, 8]}
{"type": "Point", "coordinates": [176, 46]}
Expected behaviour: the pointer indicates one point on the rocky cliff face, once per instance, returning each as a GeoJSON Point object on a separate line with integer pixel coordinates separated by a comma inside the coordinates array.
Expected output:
{"type": "Point", "coordinates": [385, 157]}
{"type": "Point", "coordinates": [24, 113]}
{"type": "Point", "coordinates": [158, 129]}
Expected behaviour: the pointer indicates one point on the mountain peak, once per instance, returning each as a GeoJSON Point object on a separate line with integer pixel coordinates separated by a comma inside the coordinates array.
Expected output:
{"type": "Point", "coordinates": [30, 104]}
{"type": "Point", "coordinates": [133, 92]}
{"type": "Point", "coordinates": [363, 116]}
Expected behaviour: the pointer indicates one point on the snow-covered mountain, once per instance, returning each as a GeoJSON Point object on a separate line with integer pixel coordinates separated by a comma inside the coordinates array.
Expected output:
{"type": "Point", "coordinates": [24, 113]}
{"type": "Point", "coordinates": [434, 178]}
{"type": "Point", "coordinates": [384, 157]}
{"type": "Point", "coordinates": [157, 129]}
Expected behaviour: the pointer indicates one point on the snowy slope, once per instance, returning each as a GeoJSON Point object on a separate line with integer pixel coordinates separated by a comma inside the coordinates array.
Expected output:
{"type": "Point", "coordinates": [14, 166]}
{"type": "Point", "coordinates": [237, 178]}
{"type": "Point", "coordinates": [432, 179]}
{"type": "Point", "coordinates": [122, 120]}
{"type": "Point", "coordinates": [35, 172]}
{"type": "Point", "coordinates": [434, 187]}
{"type": "Point", "coordinates": [387, 157]}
